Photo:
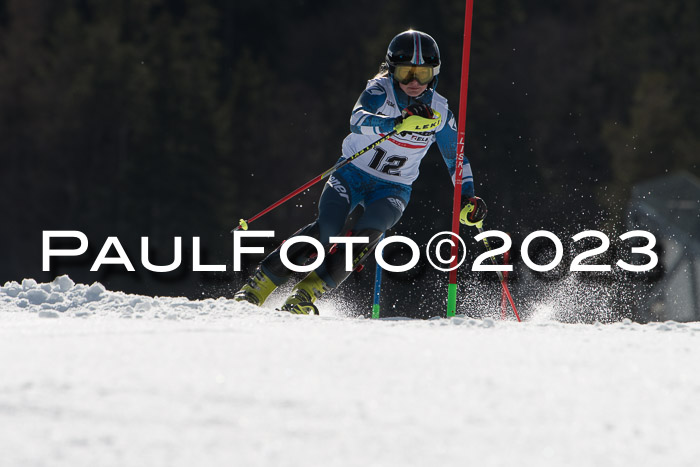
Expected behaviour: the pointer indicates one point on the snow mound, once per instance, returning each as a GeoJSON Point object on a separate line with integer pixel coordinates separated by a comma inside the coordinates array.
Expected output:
{"type": "Point", "coordinates": [63, 297]}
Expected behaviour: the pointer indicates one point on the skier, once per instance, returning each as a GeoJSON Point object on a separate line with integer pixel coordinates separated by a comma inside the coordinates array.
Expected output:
{"type": "Point", "coordinates": [401, 96]}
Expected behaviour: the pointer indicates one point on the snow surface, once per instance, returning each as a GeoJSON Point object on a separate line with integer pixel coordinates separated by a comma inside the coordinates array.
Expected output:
{"type": "Point", "coordinates": [90, 377]}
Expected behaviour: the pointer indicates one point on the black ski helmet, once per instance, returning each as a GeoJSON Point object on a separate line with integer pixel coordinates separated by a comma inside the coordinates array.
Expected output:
{"type": "Point", "coordinates": [413, 48]}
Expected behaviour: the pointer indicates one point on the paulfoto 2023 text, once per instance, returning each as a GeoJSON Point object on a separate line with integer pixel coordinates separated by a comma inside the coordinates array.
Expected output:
{"type": "Point", "coordinates": [433, 251]}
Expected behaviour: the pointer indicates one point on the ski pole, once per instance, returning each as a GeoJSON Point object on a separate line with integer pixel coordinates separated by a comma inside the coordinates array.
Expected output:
{"type": "Point", "coordinates": [243, 223]}
{"type": "Point", "coordinates": [480, 227]}
{"type": "Point", "coordinates": [412, 124]}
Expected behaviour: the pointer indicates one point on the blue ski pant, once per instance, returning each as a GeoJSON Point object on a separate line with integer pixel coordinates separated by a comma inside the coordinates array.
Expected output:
{"type": "Point", "coordinates": [383, 203]}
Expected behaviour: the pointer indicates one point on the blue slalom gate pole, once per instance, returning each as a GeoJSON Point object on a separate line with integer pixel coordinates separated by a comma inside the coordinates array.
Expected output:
{"type": "Point", "coordinates": [377, 287]}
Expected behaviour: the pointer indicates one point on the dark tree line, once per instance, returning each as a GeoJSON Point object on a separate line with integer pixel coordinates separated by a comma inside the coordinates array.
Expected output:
{"type": "Point", "coordinates": [161, 118]}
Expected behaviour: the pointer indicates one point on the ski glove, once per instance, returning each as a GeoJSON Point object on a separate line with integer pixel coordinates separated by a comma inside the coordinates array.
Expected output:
{"type": "Point", "coordinates": [417, 123]}
{"type": "Point", "coordinates": [420, 109]}
{"type": "Point", "coordinates": [473, 211]}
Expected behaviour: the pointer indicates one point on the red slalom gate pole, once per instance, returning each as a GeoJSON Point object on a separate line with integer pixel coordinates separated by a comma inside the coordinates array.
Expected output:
{"type": "Point", "coordinates": [461, 134]}
{"type": "Point", "coordinates": [480, 228]}
{"type": "Point", "coordinates": [510, 299]}
{"type": "Point", "coordinates": [504, 299]}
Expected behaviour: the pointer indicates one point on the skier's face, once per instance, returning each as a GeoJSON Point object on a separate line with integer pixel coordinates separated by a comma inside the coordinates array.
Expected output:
{"type": "Point", "coordinates": [413, 88]}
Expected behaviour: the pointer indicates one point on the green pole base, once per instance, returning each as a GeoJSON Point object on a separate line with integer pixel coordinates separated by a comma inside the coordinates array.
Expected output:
{"type": "Point", "coordinates": [375, 311]}
{"type": "Point", "coordinates": [451, 300]}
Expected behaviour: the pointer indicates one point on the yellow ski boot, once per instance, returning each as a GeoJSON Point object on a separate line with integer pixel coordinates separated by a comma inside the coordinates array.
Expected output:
{"type": "Point", "coordinates": [256, 290]}
{"type": "Point", "coordinates": [304, 294]}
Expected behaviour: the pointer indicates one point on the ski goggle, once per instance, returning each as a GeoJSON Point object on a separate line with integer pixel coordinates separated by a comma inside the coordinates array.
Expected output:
{"type": "Point", "coordinates": [404, 74]}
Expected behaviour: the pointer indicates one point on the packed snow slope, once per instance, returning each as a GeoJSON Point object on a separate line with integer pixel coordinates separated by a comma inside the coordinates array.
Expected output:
{"type": "Point", "coordinates": [90, 377]}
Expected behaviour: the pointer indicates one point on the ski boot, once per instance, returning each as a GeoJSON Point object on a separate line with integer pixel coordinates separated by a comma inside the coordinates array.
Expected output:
{"type": "Point", "coordinates": [256, 290]}
{"type": "Point", "coordinates": [304, 294]}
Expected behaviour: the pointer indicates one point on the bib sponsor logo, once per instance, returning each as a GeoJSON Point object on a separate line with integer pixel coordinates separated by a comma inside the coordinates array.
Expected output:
{"type": "Point", "coordinates": [421, 139]}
